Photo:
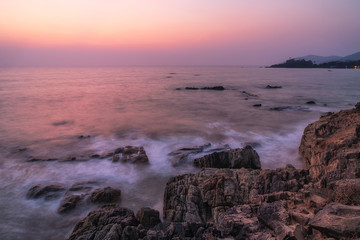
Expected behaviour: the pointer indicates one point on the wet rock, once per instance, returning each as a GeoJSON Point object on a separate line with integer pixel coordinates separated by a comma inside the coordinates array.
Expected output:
{"type": "Point", "coordinates": [216, 88]}
{"type": "Point", "coordinates": [181, 155]}
{"type": "Point", "coordinates": [311, 102]}
{"type": "Point", "coordinates": [84, 136]}
{"type": "Point", "coordinates": [130, 154]}
{"type": "Point", "coordinates": [108, 222]}
{"type": "Point", "coordinates": [257, 105]}
{"type": "Point", "coordinates": [105, 195]}
{"type": "Point", "coordinates": [338, 220]}
{"type": "Point", "coordinates": [49, 192]}
{"type": "Point", "coordinates": [234, 158]}
{"type": "Point", "coordinates": [272, 87]}
{"type": "Point", "coordinates": [148, 217]}
{"type": "Point", "coordinates": [69, 203]}
{"type": "Point", "coordinates": [62, 123]}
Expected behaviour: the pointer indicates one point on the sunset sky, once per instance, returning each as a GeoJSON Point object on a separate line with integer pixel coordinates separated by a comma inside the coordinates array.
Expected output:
{"type": "Point", "coordinates": [174, 32]}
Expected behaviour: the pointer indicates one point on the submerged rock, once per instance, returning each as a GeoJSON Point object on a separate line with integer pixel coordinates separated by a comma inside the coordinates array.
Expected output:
{"type": "Point", "coordinates": [216, 88]}
{"type": "Point", "coordinates": [245, 157]}
{"type": "Point", "coordinates": [272, 87]}
{"type": "Point", "coordinates": [49, 192]}
{"type": "Point", "coordinates": [68, 203]}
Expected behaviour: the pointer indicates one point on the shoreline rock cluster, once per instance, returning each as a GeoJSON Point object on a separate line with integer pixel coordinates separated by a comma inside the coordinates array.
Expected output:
{"type": "Point", "coordinates": [231, 197]}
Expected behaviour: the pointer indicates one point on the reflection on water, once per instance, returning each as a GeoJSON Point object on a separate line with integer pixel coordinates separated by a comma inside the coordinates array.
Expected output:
{"type": "Point", "coordinates": [56, 113]}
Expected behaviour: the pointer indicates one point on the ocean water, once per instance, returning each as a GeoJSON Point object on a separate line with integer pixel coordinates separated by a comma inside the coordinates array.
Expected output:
{"type": "Point", "coordinates": [45, 110]}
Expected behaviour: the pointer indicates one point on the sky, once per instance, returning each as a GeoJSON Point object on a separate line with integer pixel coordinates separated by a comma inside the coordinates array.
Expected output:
{"type": "Point", "coordinates": [174, 32]}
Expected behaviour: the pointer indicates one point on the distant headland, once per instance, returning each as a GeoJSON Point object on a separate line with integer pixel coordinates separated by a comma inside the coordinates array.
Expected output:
{"type": "Point", "coordinates": [312, 61]}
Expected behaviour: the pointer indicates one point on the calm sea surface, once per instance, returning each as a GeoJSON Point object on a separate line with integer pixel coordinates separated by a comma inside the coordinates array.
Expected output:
{"type": "Point", "coordinates": [45, 110]}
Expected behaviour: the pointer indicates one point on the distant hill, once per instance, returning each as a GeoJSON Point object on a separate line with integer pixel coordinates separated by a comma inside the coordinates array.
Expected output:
{"type": "Point", "coordinates": [352, 57]}
{"type": "Point", "coordinates": [319, 59]}
{"type": "Point", "coordinates": [314, 61]}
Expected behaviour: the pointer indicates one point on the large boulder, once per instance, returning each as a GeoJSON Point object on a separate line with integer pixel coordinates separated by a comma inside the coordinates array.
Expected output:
{"type": "Point", "coordinates": [105, 195]}
{"type": "Point", "coordinates": [330, 147]}
{"type": "Point", "coordinates": [338, 220]}
{"type": "Point", "coordinates": [245, 157]}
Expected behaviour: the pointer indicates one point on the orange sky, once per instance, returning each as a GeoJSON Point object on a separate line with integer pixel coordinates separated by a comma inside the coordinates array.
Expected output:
{"type": "Point", "coordinates": [212, 24]}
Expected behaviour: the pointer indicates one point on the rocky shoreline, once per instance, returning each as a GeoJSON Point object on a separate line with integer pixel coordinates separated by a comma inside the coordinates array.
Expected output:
{"type": "Point", "coordinates": [231, 197]}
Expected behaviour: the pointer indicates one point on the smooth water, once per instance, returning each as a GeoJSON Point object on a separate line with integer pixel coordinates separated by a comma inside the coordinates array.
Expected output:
{"type": "Point", "coordinates": [45, 110]}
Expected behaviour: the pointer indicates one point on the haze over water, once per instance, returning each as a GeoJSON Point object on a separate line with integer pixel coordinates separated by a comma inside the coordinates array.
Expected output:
{"type": "Point", "coordinates": [45, 110]}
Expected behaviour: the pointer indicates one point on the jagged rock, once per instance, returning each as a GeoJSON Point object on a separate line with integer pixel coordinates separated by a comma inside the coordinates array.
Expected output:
{"type": "Point", "coordinates": [108, 222]}
{"type": "Point", "coordinates": [234, 158]}
{"type": "Point", "coordinates": [338, 220]}
{"type": "Point", "coordinates": [148, 217]}
{"type": "Point", "coordinates": [105, 195]}
{"type": "Point", "coordinates": [345, 191]}
{"type": "Point", "coordinates": [49, 192]}
{"type": "Point", "coordinates": [130, 154]}
{"type": "Point", "coordinates": [330, 147]}
{"type": "Point", "coordinates": [199, 197]}
{"type": "Point", "coordinates": [68, 203]}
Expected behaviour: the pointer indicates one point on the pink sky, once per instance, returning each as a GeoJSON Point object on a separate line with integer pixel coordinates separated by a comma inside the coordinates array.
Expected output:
{"type": "Point", "coordinates": [176, 32]}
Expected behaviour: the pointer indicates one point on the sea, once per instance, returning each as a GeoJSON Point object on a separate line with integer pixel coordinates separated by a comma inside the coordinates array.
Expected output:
{"type": "Point", "coordinates": [53, 119]}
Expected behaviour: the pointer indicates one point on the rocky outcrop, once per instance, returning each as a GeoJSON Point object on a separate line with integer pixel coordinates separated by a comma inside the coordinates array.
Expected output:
{"type": "Point", "coordinates": [234, 158]}
{"type": "Point", "coordinates": [330, 147]}
{"type": "Point", "coordinates": [249, 203]}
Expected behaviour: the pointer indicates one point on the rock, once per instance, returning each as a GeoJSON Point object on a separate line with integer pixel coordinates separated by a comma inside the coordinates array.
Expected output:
{"type": "Point", "coordinates": [272, 87]}
{"type": "Point", "coordinates": [234, 158]}
{"type": "Point", "coordinates": [345, 191]}
{"type": "Point", "coordinates": [84, 136]}
{"type": "Point", "coordinates": [49, 192]}
{"type": "Point", "coordinates": [105, 195]}
{"type": "Point", "coordinates": [148, 217]}
{"type": "Point", "coordinates": [257, 105]}
{"type": "Point", "coordinates": [310, 102]}
{"type": "Point", "coordinates": [130, 154]}
{"type": "Point", "coordinates": [216, 88]}
{"type": "Point", "coordinates": [181, 155]}
{"type": "Point", "coordinates": [69, 203]}
{"type": "Point", "coordinates": [330, 147]}
{"type": "Point", "coordinates": [109, 222]}
{"type": "Point", "coordinates": [338, 220]}
{"type": "Point", "coordinates": [198, 198]}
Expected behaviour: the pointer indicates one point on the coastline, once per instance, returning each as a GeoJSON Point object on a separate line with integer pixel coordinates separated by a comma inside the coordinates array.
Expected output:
{"type": "Point", "coordinates": [246, 203]}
